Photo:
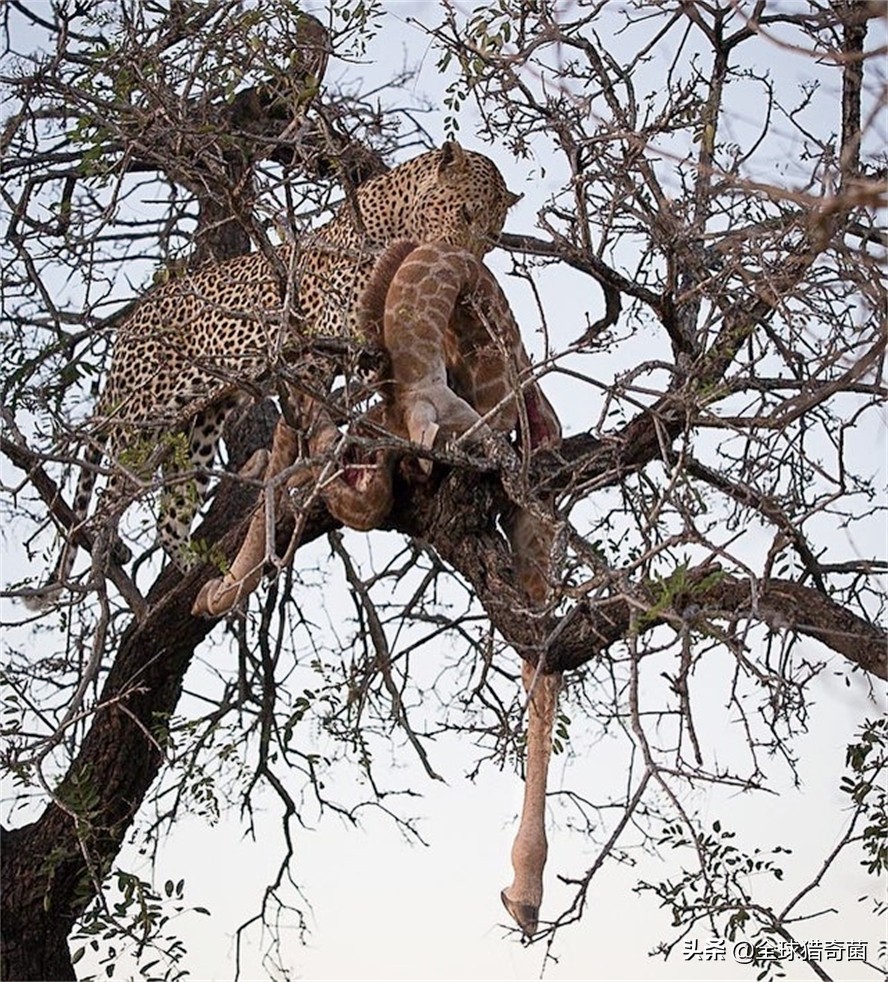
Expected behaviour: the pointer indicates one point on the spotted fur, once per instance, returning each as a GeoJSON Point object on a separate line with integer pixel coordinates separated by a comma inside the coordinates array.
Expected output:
{"type": "Point", "coordinates": [194, 347]}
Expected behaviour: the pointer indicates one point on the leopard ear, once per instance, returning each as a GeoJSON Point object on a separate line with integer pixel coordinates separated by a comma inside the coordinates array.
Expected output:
{"type": "Point", "coordinates": [512, 198]}
{"type": "Point", "coordinates": [453, 160]}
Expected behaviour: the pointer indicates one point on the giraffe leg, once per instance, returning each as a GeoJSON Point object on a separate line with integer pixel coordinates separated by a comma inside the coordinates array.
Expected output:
{"type": "Point", "coordinates": [219, 596]}
{"type": "Point", "coordinates": [531, 540]}
{"type": "Point", "coordinates": [523, 898]}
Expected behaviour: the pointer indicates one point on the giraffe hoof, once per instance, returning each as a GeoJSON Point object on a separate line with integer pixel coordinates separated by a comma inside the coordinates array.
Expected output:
{"type": "Point", "coordinates": [425, 437]}
{"type": "Point", "coordinates": [526, 916]}
{"type": "Point", "coordinates": [203, 601]}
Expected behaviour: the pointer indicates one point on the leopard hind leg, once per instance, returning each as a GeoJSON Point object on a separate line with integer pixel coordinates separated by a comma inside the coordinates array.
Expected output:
{"type": "Point", "coordinates": [186, 481]}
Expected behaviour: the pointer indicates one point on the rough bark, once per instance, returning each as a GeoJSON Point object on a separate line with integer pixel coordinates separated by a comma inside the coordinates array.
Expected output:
{"type": "Point", "coordinates": [457, 522]}
{"type": "Point", "coordinates": [51, 867]}
{"type": "Point", "coordinates": [41, 900]}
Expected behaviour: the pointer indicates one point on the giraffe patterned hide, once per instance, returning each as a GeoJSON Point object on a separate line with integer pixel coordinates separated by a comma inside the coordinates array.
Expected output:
{"type": "Point", "coordinates": [458, 367]}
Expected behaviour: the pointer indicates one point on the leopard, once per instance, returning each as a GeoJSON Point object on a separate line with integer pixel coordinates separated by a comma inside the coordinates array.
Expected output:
{"type": "Point", "coordinates": [203, 343]}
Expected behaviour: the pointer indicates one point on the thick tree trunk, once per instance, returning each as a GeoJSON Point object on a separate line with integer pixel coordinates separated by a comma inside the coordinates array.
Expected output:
{"type": "Point", "coordinates": [51, 868]}
{"type": "Point", "coordinates": [35, 940]}
{"type": "Point", "coordinates": [47, 881]}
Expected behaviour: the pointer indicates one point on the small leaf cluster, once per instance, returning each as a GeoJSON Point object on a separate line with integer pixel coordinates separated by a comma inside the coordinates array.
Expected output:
{"type": "Point", "coordinates": [864, 783]}
{"type": "Point", "coordinates": [715, 891]}
{"type": "Point", "coordinates": [133, 922]}
{"type": "Point", "coordinates": [718, 881]}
